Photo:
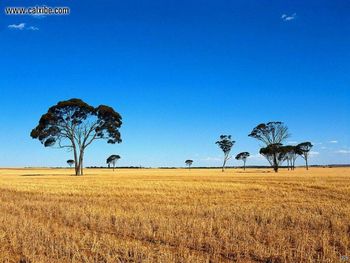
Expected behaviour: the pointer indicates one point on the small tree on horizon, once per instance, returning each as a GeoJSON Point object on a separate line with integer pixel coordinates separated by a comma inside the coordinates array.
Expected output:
{"type": "Point", "coordinates": [112, 160]}
{"type": "Point", "coordinates": [70, 162]}
{"type": "Point", "coordinates": [243, 157]}
{"type": "Point", "coordinates": [74, 125]}
{"type": "Point", "coordinates": [304, 149]}
{"type": "Point", "coordinates": [189, 163]}
{"type": "Point", "coordinates": [225, 143]}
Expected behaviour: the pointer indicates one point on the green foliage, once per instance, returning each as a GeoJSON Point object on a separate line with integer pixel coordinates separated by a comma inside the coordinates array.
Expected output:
{"type": "Point", "coordinates": [242, 156]}
{"type": "Point", "coordinates": [112, 158]}
{"type": "Point", "coordinates": [70, 162]}
{"type": "Point", "coordinates": [304, 147]}
{"type": "Point", "coordinates": [75, 117]}
{"type": "Point", "coordinates": [189, 162]}
{"type": "Point", "coordinates": [225, 143]}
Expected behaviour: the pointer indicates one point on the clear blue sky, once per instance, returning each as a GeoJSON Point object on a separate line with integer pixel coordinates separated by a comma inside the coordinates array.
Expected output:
{"type": "Point", "coordinates": [180, 73]}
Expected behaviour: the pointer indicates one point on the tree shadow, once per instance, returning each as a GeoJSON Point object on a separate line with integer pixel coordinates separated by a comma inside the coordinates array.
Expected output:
{"type": "Point", "coordinates": [38, 175]}
{"type": "Point", "coordinates": [256, 171]}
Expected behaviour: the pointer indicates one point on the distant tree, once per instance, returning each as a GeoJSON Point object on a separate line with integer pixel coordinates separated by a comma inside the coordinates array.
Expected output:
{"type": "Point", "coordinates": [270, 133]}
{"type": "Point", "coordinates": [243, 156]}
{"type": "Point", "coordinates": [112, 160]}
{"type": "Point", "coordinates": [275, 154]}
{"type": "Point", "coordinates": [288, 149]}
{"type": "Point", "coordinates": [225, 143]}
{"type": "Point", "coordinates": [70, 162]}
{"type": "Point", "coordinates": [74, 124]}
{"type": "Point", "coordinates": [291, 154]}
{"type": "Point", "coordinates": [189, 163]}
{"type": "Point", "coordinates": [304, 151]}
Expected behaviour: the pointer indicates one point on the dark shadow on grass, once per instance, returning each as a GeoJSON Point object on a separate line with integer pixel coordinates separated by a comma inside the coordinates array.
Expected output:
{"type": "Point", "coordinates": [35, 175]}
{"type": "Point", "coordinates": [246, 172]}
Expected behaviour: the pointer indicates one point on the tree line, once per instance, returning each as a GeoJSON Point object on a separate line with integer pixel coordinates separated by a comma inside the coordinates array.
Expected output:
{"type": "Point", "coordinates": [272, 135]}
{"type": "Point", "coordinates": [111, 161]}
{"type": "Point", "coordinates": [73, 124]}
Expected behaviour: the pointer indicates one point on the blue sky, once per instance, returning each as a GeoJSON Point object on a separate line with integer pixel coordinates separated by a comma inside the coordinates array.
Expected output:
{"type": "Point", "coordinates": [180, 73]}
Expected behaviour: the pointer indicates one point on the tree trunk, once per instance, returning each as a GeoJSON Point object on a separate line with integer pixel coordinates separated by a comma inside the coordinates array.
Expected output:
{"type": "Point", "coordinates": [293, 165]}
{"type": "Point", "coordinates": [77, 169]}
{"type": "Point", "coordinates": [81, 158]}
{"type": "Point", "coordinates": [76, 161]}
{"type": "Point", "coordinates": [275, 164]}
{"type": "Point", "coordinates": [223, 165]}
{"type": "Point", "coordinates": [79, 163]}
{"type": "Point", "coordinates": [307, 165]}
{"type": "Point", "coordinates": [244, 166]}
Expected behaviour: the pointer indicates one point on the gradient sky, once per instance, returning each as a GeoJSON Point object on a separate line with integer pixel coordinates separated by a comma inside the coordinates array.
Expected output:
{"type": "Point", "coordinates": [180, 73]}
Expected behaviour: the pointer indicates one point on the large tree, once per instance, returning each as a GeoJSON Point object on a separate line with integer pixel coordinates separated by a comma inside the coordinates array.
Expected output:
{"type": "Point", "coordinates": [225, 143]}
{"type": "Point", "coordinates": [272, 134]}
{"type": "Point", "coordinates": [243, 157]}
{"type": "Point", "coordinates": [74, 124]}
{"type": "Point", "coordinates": [112, 160]}
{"type": "Point", "coordinates": [304, 151]}
{"type": "Point", "coordinates": [275, 154]}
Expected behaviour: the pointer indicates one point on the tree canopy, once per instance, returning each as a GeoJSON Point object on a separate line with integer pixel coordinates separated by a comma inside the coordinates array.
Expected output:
{"type": "Point", "coordinates": [70, 162]}
{"type": "Point", "coordinates": [270, 133]}
{"type": "Point", "coordinates": [242, 156]}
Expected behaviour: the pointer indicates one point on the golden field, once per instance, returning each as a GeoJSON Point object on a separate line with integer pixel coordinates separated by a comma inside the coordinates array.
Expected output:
{"type": "Point", "coordinates": [174, 215]}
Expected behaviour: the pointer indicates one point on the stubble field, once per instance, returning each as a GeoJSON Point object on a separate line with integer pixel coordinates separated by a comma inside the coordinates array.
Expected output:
{"type": "Point", "coordinates": [177, 215]}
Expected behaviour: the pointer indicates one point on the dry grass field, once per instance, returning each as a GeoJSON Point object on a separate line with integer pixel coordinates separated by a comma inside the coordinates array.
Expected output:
{"type": "Point", "coordinates": [155, 215]}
